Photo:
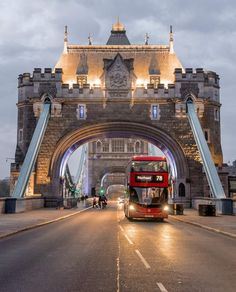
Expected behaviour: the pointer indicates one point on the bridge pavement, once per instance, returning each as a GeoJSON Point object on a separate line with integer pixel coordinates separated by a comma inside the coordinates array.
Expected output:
{"type": "Point", "coordinates": [14, 223]}
{"type": "Point", "coordinates": [18, 222]}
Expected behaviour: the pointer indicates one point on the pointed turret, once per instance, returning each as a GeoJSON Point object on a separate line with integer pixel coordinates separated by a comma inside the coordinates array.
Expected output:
{"type": "Point", "coordinates": [146, 39]}
{"type": "Point", "coordinates": [90, 39]}
{"type": "Point", "coordinates": [118, 35]}
{"type": "Point", "coordinates": [65, 40]}
{"type": "Point", "coordinates": [82, 70]}
{"type": "Point", "coordinates": [154, 66]}
{"type": "Point", "coordinates": [171, 42]}
{"type": "Point", "coordinates": [154, 71]}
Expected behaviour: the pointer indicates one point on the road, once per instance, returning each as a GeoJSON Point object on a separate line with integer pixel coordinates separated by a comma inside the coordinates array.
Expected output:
{"type": "Point", "coordinates": [100, 250]}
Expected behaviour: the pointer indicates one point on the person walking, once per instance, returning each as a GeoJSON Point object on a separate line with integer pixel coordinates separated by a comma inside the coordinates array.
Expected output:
{"type": "Point", "coordinates": [95, 202]}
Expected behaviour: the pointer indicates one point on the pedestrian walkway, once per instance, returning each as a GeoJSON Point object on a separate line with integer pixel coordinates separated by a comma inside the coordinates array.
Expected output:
{"type": "Point", "coordinates": [224, 224]}
{"type": "Point", "coordinates": [14, 223]}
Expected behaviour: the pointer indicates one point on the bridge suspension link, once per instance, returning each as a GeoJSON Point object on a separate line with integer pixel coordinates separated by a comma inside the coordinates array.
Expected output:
{"type": "Point", "coordinates": [209, 166]}
{"type": "Point", "coordinates": [32, 152]}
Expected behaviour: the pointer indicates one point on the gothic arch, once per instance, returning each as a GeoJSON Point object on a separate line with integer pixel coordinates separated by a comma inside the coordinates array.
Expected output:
{"type": "Point", "coordinates": [181, 190]}
{"type": "Point", "coordinates": [151, 134]}
{"type": "Point", "coordinates": [99, 146]}
{"type": "Point", "coordinates": [137, 146]}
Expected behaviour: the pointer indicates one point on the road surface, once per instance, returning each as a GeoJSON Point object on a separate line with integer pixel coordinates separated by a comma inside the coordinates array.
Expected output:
{"type": "Point", "coordinates": [100, 250]}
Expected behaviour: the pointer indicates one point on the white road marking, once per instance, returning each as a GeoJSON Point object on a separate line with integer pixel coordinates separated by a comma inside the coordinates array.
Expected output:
{"type": "Point", "coordinates": [118, 275]}
{"type": "Point", "coordinates": [126, 236]}
{"type": "Point", "coordinates": [121, 228]}
{"type": "Point", "coordinates": [129, 240]}
{"type": "Point", "coordinates": [161, 286]}
{"type": "Point", "coordinates": [118, 260]}
{"type": "Point", "coordinates": [142, 259]}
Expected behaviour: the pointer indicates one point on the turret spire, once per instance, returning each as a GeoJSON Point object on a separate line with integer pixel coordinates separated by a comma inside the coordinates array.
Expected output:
{"type": "Point", "coordinates": [171, 42]}
{"type": "Point", "coordinates": [118, 34]}
{"type": "Point", "coordinates": [90, 39]}
{"type": "Point", "coordinates": [118, 26]}
{"type": "Point", "coordinates": [146, 38]}
{"type": "Point", "coordinates": [65, 40]}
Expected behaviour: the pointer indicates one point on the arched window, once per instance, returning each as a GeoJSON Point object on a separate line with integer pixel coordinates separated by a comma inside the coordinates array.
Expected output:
{"type": "Point", "coordinates": [181, 190]}
{"type": "Point", "coordinates": [155, 112]}
{"type": "Point", "coordinates": [216, 114]}
{"type": "Point", "coordinates": [98, 146]}
{"type": "Point", "coordinates": [46, 98]}
{"type": "Point", "coordinates": [207, 135]}
{"type": "Point", "coordinates": [138, 147]}
{"type": "Point", "coordinates": [81, 112]}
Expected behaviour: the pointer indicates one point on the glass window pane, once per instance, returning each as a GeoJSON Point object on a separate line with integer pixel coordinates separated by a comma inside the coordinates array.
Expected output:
{"type": "Point", "coordinates": [117, 145]}
{"type": "Point", "coordinates": [81, 111]}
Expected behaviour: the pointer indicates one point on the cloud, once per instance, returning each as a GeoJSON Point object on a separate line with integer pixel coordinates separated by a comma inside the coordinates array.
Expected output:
{"type": "Point", "coordinates": [31, 35]}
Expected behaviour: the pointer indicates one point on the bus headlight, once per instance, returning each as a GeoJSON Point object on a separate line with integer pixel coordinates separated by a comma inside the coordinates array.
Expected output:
{"type": "Point", "coordinates": [131, 207]}
{"type": "Point", "coordinates": [166, 208]}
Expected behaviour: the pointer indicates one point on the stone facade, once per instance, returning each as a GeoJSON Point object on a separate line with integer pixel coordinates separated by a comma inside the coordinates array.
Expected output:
{"type": "Point", "coordinates": [119, 106]}
{"type": "Point", "coordinates": [110, 156]}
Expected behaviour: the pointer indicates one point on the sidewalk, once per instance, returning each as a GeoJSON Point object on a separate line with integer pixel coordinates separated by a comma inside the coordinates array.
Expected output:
{"type": "Point", "coordinates": [15, 223]}
{"type": "Point", "coordinates": [224, 224]}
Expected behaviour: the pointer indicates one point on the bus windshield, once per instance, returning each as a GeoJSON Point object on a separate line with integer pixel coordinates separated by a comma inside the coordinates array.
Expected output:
{"type": "Point", "coordinates": [149, 166]}
{"type": "Point", "coordinates": [148, 196]}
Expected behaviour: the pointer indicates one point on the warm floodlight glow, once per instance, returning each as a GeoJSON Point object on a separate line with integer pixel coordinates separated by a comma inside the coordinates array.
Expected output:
{"type": "Point", "coordinates": [165, 82]}
{"type": "Point", "coordinates": [166, 208]}
{"type": "Point", "coordinates": [96, 82]}
{"type": "Point", "coordinates": [141, 82]}
{"type": "Point", "coordinates": [70, 82]}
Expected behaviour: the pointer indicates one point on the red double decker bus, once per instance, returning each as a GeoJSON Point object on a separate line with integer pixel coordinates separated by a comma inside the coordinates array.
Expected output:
{"type": "Point", "coordinates": [147, 188]}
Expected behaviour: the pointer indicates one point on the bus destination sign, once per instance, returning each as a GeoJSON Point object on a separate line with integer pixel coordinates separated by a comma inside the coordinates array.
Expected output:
{"type": "Point", "coordinates": [149, 178]}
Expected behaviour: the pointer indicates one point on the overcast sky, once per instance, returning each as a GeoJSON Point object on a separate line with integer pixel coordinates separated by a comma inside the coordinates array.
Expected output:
{"type": "Point", "coordinates": [31, 35]}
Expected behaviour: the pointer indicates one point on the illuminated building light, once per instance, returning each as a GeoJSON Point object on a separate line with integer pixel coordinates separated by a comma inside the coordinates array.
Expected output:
{"type": "Point", "coordinates": [96, 82]}
{"type": "Point", "coordinates": [141, 83]}
{"type": "Point", "coordinates": [166, 208]}
{"type": "Point", "coordinates": [70, 82]}
{"type": "Point", "coordinates": [165, 82]}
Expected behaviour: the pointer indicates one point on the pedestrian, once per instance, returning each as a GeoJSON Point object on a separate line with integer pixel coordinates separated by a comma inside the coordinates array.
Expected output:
{"type": "Point", "coordinates": [95, 202]}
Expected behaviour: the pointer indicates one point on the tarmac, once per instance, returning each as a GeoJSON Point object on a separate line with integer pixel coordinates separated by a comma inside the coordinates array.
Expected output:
{"type": "Point", "coordinates": [11, 224]}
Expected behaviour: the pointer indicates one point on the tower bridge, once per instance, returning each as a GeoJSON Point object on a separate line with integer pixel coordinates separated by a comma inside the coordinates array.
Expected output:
{"type": "Point", "coordinates": [119, 90]}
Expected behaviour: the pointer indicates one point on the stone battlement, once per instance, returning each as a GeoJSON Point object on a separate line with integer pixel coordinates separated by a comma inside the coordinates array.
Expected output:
{"type": "Point", "coordinates": [204, 84]}
{"type": "Point", "coordinates": [39, 76]}
{"type": "Point", "coordinates": [197, 75]}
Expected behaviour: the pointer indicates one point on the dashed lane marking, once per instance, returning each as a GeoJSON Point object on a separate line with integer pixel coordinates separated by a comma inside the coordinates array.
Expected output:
{"type": "Point", "coordinates": [129, 240]}
{"type": "Point", "coordinates": [126, 236]}
{"type": "Point", "coordinates": [143, 259]}
{"type": "Point", "coordinates": [121, 228]}
{"type": "Point", "coordinates": [161, 287]}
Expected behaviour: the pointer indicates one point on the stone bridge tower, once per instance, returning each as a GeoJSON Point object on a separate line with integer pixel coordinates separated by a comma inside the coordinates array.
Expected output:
{"type": "Point", "coordinates": [119, 90]}
{"type": "Point", "coordinates": [108, 158]}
